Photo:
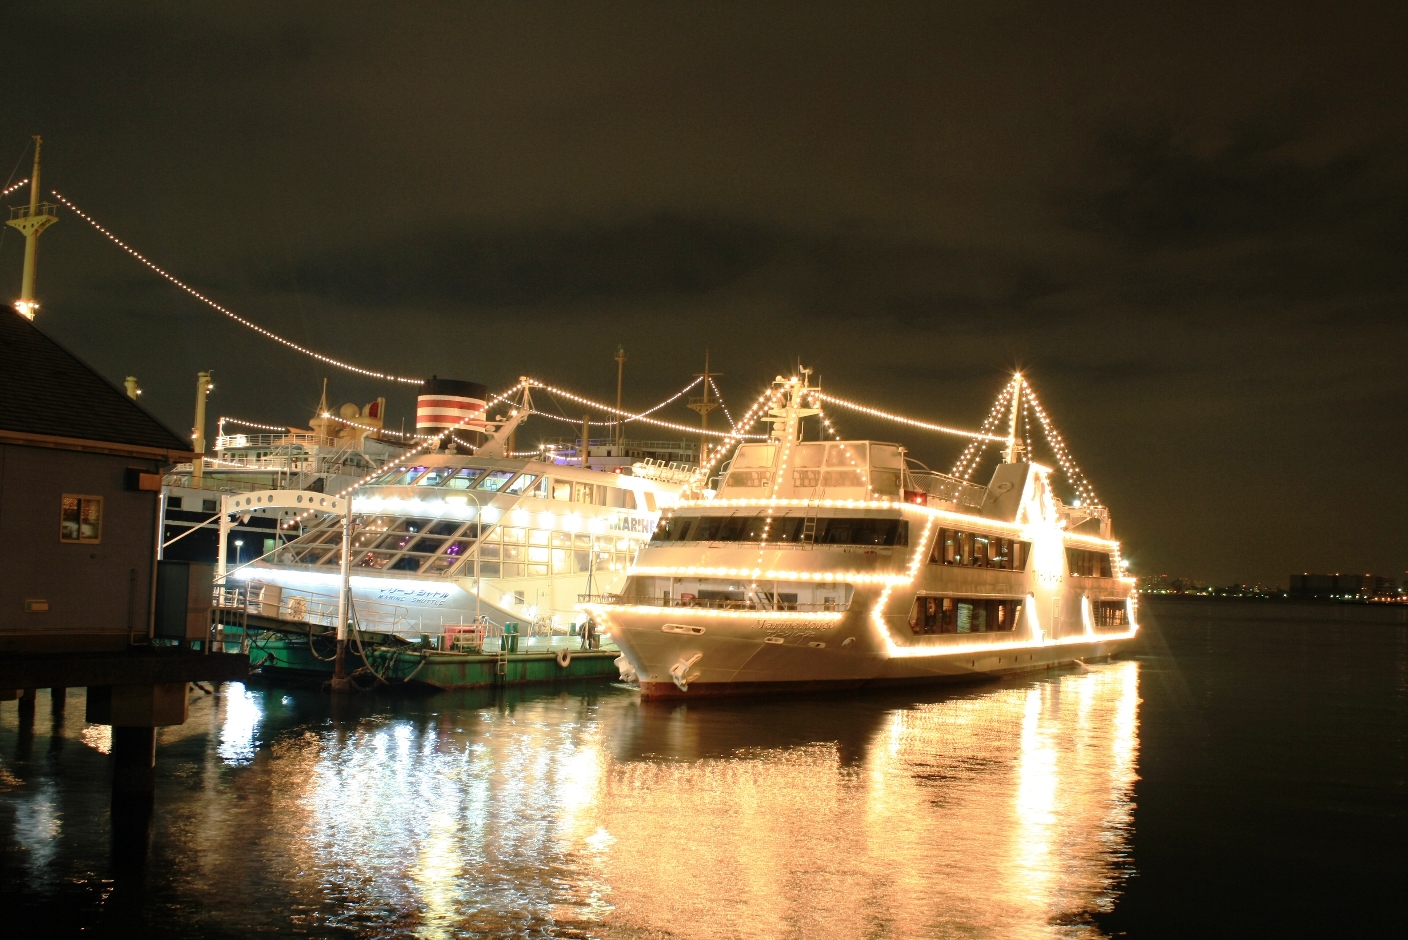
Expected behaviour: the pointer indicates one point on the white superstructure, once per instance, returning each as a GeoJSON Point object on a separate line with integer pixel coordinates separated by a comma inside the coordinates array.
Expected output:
{"type": "Point", "coordinates": [449, 537]}
{"type": "Point", "coordinates": [834, 563]}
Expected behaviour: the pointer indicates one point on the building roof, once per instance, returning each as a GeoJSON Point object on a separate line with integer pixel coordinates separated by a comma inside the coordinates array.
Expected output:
{"type": "Point", "coordinates": [46, 390]}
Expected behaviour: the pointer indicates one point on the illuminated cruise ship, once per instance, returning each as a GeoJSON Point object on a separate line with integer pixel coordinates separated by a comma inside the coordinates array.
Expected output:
{"type": "Point", "coordinates": [839, 563]}
{"type": "Point", "coordinates": [442, 538]}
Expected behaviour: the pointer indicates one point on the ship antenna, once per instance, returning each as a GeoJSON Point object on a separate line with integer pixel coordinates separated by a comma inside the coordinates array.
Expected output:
{"type": "Point", "coordinates": [1013, 447]}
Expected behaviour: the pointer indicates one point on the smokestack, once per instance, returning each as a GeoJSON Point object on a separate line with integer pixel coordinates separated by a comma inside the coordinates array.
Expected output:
{"type": "Point", "coordinates": [449, 403]}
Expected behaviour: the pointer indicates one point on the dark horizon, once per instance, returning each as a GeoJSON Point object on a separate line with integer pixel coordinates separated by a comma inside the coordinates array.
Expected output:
{"type": "Point", "coordinates": [1185, 224]}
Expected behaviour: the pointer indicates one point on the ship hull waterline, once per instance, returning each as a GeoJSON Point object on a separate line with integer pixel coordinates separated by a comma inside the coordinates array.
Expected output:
{"type": "Point", "coordinates": [846, 656]}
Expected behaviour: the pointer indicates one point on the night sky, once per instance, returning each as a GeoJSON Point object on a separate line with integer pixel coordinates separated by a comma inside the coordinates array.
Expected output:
{"type": "Point", "coordinates": [1186, 222]}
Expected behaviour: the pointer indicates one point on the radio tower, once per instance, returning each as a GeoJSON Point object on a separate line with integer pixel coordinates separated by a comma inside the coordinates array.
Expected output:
{"type": "Point", "coordinates": [704, 405]}
{"type": "Point", "coordinates": [31, 221]}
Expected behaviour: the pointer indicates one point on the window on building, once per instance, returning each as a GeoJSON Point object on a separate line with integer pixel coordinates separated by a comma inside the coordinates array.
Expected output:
{"type": "Point", "coordinates": [1088, 564]}
{"type": "Point", "coordinates": [939, 615]}
{"type": "Point", "coordinates": [81, 519]}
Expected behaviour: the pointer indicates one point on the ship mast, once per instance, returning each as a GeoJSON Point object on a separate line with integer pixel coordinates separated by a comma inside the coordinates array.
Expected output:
{"type": "Point", "coordinates": [1014, 446]}
{"type": "Point", "coordinates": [31, 221]}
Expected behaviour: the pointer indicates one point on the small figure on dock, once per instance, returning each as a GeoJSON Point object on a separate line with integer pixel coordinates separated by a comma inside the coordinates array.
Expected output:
{"type": "Point", "coordinates": [589, 636]}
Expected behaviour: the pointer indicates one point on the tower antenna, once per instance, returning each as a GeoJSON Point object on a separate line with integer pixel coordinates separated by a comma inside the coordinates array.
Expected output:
{"type": "Point", "coordinates": [31, 221]}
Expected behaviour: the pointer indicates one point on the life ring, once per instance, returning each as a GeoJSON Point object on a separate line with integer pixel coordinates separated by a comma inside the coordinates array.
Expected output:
{"type": "Point", "coordinates": [564, 658]}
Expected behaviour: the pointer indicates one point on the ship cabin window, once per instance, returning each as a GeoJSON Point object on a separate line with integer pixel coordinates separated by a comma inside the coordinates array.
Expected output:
{"type": "Point", "coordinates": [463, 478]}
{"type": "Point", "coordinates": [518, 486]}
{"type": "Point", "coordinates": [871, 530]}
{"type": "Point", "coordinates": [1087, 564]}
{"type": "Point", "coordinates": [749, 479]}
{"type": "Point", "coordinates": [1110, 615]}
{"type": "Point", "coordinates": [939, 615]}
{"type": "Point", "coordinates": [436, 476]}
{"type": "Point", "coordinates": [979, 550]}
{"type": "Point", "coordinates": [628, 499]}
{"type": "Point", "coordinates": [494, 480]}
{"type": "Point", "coordinates": [562, 489]}
{"type": "Point", "coordinates": [407, 477]}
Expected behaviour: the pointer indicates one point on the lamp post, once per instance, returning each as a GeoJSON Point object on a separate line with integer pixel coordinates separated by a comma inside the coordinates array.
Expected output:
{"type": "Point", "coordinates": [239, 544]}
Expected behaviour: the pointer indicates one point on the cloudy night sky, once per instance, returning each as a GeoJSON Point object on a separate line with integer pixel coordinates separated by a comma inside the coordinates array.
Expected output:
{"type": "Point", "coordinates": [1186, 222]}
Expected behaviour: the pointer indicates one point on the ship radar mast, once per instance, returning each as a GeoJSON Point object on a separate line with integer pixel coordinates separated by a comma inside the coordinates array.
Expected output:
{"type": "Point", "coordinates": [786, 420]}
{"type": "Point", "coordinates": [1015, 445]}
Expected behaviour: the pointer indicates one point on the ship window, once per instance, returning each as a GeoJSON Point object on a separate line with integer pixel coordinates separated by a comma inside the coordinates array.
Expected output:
{"type": "Point", "coordinates": [524, 481]}
{"type": "Point", "coordinates": [846, 455]}
{"type": "Point", "coordinates": [559, 538]}
{"type": "Point", "coordinates": [427, 545]}
{"type": "Point", "coordinates": [561, 560]}
{"type": "Point", "coordinates": [494, 480]}
{"type": "Point", "coordinates": [1110, 615]}
{"type": "Point", "coordinates": [374, 559]}
{"type": "Point", "coordinates": [534, 571]}
{"type": "Point", "coordinates": [436, 476]}
{"type": "Point", "coordinates": [562, 489]}
{"type": "Point", "coordinates": [444, 527]}
{"type": "Point", "coordinates": [806, 478]}
{"type": "Point", "coordinates": [489, 551]}
{"type": "Point", "coordinates": [842, 478]}
{"type": "Point", "coordinates": [457, 548]}
{"type": "Point", "coordinates": [885, 482]}
{"type": "Point", "coordinates": [463, 479]}
{"type": "Point", "coordinates": [754, 455]}
{"type": "Point", "coordinates": [518, 536]}
{"type": "Point", "coordinates": [406, 563]}
{"type": "Point", "coordinates": [886, 455]}
{"type": "Point", "coordinates": [540, 555]}
{"type": "Point", "coordinates": [628, 499]}
{"type": "Point", "coordinates": [1088, 564]}
{"type": "Point", "coordinates": [514, 552]}
{"type": "Point", "coordinates": [939, 615]}
{"type": "Point", "coordinates": [808, 455]}
{"type": "Point", "coordinates": [489, 569]}
{"type": "Point", "coordinates": [977, 550]}
{"type": "Point", "coordinates": [406, 477]}
{"type": "Point", "coordinates": [749, 479]}
{"type": "Point", "coordinates": [441, 564]}
{"type": "Point", "coordinates": [582, 541]}
{"type": "Point", "coordinates": [81, 519]}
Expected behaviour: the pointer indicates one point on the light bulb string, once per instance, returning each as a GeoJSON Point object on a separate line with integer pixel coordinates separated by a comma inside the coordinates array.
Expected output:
{"type": "Point", "coordinates": [268, 334]}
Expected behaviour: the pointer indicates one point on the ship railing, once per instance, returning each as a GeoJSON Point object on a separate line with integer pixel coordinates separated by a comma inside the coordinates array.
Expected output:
{"type": "Point", "coordinates": [948, 489]}
{"type": "Point", "coordinates": [185, 480]}
{"type": "Point", "coordinates": [297, 605]}
{"type": "Point", "coordinates": [239, 441]}
{"type": "Point", "coordinates": [712, 603]}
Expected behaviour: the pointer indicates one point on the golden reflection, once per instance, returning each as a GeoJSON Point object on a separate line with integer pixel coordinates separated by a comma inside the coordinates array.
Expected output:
{"type": "Point", "coordinates": [997, 812]}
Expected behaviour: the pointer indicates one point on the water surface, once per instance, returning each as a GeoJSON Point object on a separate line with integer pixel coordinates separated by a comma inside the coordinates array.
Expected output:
{"type": "Point", "coordinates": [1236, 774]}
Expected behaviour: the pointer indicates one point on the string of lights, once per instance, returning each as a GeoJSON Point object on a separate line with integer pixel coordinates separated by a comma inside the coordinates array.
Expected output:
{"type": "Point", "coordinates": [968, 461]}
{"type": "Point", "coordinates": [768, 399]}
{"type": "Point", "coordinates": [626, 415]}
{"type": "Point", "coordinates": [912, 422]}
{"type": "Point", "coordinates": [8, 190]}
{"type": "Point", "coordinates": [720, 396]}
{"type": "Point", "coordinates": [268, 334]}
{"type": "Point", "coordinates": [1057, 444]}
{"type": "Point", "coordinates": [256, 425]}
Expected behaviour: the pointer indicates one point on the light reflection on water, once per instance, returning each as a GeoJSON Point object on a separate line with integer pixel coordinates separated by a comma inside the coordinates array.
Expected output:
{"type": "Point", "coordinates": [998, 812]}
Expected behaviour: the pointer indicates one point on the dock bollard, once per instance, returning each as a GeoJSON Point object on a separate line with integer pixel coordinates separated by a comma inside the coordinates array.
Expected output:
{"type": "Point", "coordinates": [510, 639]}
